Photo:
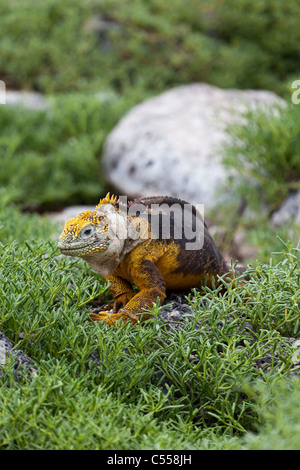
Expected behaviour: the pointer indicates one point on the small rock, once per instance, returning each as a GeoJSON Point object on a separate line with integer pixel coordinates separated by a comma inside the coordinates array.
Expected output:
{"type": "Point", "coordinates": [102, 27]}
{"type": "Point", "coordinates": [21, 360]}
{"type": "Point", "coordinates": [27, 99]}
{"type": "Point", "coordinates": [240, 249]}
{"type": "Point", "coordinates": [289, 210]}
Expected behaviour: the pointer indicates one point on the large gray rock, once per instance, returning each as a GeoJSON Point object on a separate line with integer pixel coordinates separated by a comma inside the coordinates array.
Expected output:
{"type": "Point", "coordinates": [171, 144]}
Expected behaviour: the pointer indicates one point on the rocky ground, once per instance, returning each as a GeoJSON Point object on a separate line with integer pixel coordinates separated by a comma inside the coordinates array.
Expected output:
{"type": "Point", "coordinates": [19, 360]}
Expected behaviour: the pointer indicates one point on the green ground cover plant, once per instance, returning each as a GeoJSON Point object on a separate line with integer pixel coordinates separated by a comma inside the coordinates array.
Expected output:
{"type": "Point", "coordinates": [152, 45]}
{"type": "Point", "coordinates": [50, 158]}
{"type": "Point", "coordinates": [265, 151]}
{"type": "Point", "coordinates": [264, 154]}
{"type": "Point", "coordinates": [142, 387]}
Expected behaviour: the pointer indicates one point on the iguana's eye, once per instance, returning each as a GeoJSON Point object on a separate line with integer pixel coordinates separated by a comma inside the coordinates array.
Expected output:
{"type": "Point", "coordinates": [87, 232]}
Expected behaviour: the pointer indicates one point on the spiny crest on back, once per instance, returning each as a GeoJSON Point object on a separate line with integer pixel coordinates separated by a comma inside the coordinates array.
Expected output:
{"type": "Point", "coordinates": [108, 199]}
{"type": "Point", "coordinates": [75, 225]}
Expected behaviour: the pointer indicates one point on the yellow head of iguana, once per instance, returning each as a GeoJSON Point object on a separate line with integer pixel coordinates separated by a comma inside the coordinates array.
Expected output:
{"type": "Point", "coordinates": [101, 237]}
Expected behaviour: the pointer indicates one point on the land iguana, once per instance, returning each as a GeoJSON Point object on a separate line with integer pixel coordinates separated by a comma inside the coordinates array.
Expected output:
{"type": "Point", "coordinates": [131, 248]}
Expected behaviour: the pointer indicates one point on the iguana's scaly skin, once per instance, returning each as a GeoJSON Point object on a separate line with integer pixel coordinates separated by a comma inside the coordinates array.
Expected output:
{"type": "Point", "coordinates": [152, 265]}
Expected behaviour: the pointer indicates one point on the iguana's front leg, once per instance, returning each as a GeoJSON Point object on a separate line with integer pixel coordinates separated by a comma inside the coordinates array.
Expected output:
{"type": "Point", "coordinates": [122, 293]}
{"type": "Point", "coordinates": [151, 287]}
{"type": "Point", "coordinates": [121, 290]}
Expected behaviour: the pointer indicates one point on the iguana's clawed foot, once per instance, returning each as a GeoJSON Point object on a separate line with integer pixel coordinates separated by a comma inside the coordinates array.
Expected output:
{"type": "Point", "coordinates": [112, 318]}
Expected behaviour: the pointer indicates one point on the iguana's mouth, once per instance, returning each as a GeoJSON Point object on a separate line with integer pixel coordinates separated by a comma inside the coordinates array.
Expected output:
{"type": "Point", "coordinates": [83, 249]}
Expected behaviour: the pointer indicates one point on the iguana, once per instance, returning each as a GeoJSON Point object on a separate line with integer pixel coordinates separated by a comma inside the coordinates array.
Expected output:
{"type": "Point", "coordinates": [132, 250]}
